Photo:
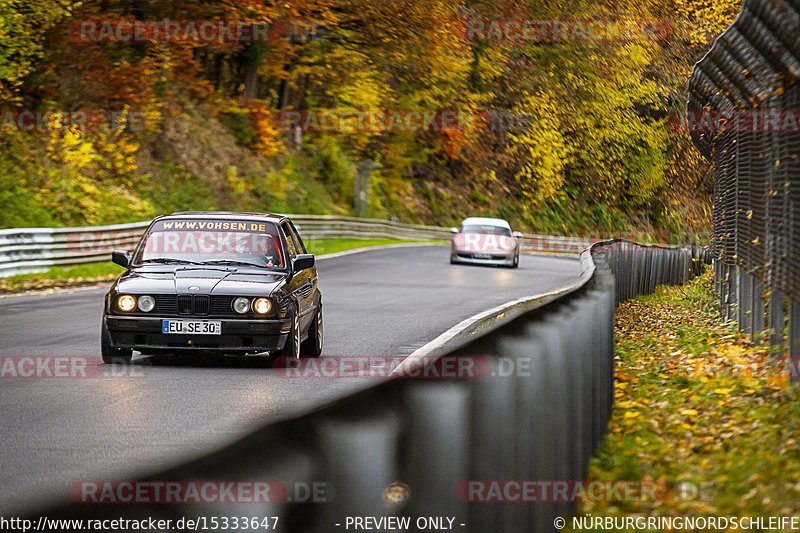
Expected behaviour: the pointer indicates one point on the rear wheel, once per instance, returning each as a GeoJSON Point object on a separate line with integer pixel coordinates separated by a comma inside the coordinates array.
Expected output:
{"type": "Point", "coordinates": [110, 354]}
{"type": "Point", "coordinates": [292, 347]}
{"type": "Point", "coordinates": [312, 346]}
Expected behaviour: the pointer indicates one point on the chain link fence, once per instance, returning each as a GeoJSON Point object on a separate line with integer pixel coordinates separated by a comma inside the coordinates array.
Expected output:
{"type": "Point", "coordinates": [743, 113]}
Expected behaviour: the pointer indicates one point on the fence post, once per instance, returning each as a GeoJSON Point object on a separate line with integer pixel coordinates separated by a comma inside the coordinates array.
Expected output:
{"type": "Point", "coordinates": [745, 299]}
{"type": "Point", "coordinates": [723, 290]}
{"type": "Point", "coordinates": [794, 340]}
{"type": "Point", "coordinates": [757, 326]}
{"type": "Point", "coordinates": [777, 321]}
{"type": "Point", "coordinates": [733, 282]}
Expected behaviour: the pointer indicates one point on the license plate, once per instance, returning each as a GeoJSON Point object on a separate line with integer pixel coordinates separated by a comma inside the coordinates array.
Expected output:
{"type": "Point", "coordinates": [482, 256]}
{"type": "Point", "coordinates": [192, 327]}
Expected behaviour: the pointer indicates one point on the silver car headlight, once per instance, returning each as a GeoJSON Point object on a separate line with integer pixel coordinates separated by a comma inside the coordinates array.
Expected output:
{"type": "Point", "coordinates": [146, 303]}
{"type": "Point", "coordinates": [241, 305]}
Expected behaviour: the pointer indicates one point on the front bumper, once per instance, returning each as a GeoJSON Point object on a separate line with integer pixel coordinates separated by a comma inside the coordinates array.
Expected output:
{"type": "Point", "coordinates": [499, 259]}
{"type": "Point", "coordinates": [238, 335]}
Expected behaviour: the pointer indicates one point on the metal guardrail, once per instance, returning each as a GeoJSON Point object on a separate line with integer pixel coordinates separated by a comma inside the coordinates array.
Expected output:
{"type": "Point", "coordinates": [29, 250]}
{"type": "Point", "coordinates": [743, 108]}
{"type": "Point", "coordinates": [410, 447]}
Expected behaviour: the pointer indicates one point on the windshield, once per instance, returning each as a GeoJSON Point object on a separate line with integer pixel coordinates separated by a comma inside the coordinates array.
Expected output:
{"type": "Point", "coordinates": [212, 242]}
{"type": "Point", "coordinates": [485, 229]}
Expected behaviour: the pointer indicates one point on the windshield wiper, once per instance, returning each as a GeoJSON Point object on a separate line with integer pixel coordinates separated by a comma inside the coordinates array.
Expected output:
{"type": "Point", "coordinates": [231, 262]}
{"type": "Point", "coordinates": [166, 261]}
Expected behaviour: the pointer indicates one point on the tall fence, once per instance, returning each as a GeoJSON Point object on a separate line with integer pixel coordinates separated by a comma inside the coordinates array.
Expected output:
{"type": "Point", "coordinates": [29, 250]}
{"type": "Point", "coordinates": [534, 405]}
{"type": "Point", "coordinates": [743, 114]}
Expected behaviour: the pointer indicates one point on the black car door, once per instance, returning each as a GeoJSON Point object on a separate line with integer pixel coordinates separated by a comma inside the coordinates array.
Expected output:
{"type": "Point", "coordinates": [301, 286]}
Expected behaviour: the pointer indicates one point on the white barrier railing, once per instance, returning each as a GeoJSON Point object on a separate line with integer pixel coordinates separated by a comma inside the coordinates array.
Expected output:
{"type": "Point", "coordinates": [29, 250]}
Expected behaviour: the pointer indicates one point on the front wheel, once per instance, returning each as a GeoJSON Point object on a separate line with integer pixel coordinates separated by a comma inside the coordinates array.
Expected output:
{"type": "Point", "coordinates": [110, 354]}
{"type": "Point", "coordinates": [312, 346]}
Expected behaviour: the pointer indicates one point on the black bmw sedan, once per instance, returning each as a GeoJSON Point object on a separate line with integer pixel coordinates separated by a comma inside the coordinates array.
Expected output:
{"type": "Point", "coordinates": [220, 282]}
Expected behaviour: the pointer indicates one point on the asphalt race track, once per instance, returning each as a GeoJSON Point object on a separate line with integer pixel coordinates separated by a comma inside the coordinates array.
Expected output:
{"type": "Point", "coordinates": [157, 412]}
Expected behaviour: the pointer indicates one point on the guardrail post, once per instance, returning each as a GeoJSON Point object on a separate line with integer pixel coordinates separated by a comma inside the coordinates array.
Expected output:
{"type": "Point", "coordinates": [578, 351]}
{"type": "Point", "coordinates": [643, 271]}
{"type": "Point", "coordinates": [671, 267]}
{"type": "Point", "coordinates": [437, 448]}
{"type": "Point", "coordinates": [554, 418]}
{"type": "Point", "coordinates": [359, 453]}
{"type": "Point", "coordinates": [653, 270]}
{"type": "Point", "coordinates": [757, 306]}
{"type": "Point", "coordinates": [657, 261]}
{"type": "Point", "coordinates": [495, 408]}
{"type": "Point", "coordinates": [777, 322]}
{"type": "Point", "coordinates": [687, 264]}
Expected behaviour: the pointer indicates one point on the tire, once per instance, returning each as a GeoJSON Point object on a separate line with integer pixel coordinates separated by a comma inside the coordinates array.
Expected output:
{"type": "Point", "coordinates": [516, 261]}
{"type": "Point", "coordinates": [291, 349]}
{"type": "Point", "coordinates": [110, 354]}
{"type": "Point", "coordinates": [312, 346]}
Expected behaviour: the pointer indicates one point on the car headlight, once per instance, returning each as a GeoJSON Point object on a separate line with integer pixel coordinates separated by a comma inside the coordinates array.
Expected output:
{"type": "Point", "coordinates": [126, 302]}
{"type": "Point", "coordinates": [146, 303]}
{"type": "Point", "coordinates": [241, 305]}
{"type": "Point", "coordinates": [262, 306]}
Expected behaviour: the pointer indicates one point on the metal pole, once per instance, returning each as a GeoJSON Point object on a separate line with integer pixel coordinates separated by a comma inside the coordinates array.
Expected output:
{"type": "Point", "coordinates": [794, 340]}
{"type": "Point", "coordinates": [757, 306]}
{"type": "Point", "coordinates": [733, 282]}
{"type": "Point", "coordinates": [745, 302]}
{"type": "Point", "coordinates": [777, 321]}
{"type": "Point", "coordinates": [723, 289]}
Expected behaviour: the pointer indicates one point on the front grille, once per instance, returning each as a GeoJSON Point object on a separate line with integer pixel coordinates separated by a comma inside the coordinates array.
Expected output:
{"type": "Point", "coordinates": [165, 304]}
{"type": "Point", "coordinates": [222, 305]}
{"type": "Point", "coordinates": [198, 305]}
{"type": "Point", "coordinates": [201, 305]}
{"type": "Point", "coordinates": [184, 304]}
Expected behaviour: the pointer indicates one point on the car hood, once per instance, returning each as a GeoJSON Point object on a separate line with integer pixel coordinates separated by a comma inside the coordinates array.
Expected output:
{"type": "Point", "coordinates": [207, 280]}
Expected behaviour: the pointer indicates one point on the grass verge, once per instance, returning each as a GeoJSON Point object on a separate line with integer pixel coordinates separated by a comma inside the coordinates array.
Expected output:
{"type": "Point", "coordinates": [700, 411]}
{"type": "Point", "coordinates": [90, 274]}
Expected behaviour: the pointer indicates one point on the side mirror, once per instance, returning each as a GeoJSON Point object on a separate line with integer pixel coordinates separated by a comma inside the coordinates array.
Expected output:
{"type": "Point", "coordinates": [302, 262]}
{"type": "Point", "coordinates": [121, 258]}
{"type": "Point", "coordinates": [517, 234]}
{"type": "Point", "coordinates": [453, 230]}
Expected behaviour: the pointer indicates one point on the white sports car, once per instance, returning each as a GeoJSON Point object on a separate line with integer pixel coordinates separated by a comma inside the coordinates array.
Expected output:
{"type": "Point", "coordinates": [485, 241]}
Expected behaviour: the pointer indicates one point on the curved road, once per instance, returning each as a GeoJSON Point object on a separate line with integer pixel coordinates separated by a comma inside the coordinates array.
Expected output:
{"type": "Point", "coordinates": [159, 412]}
